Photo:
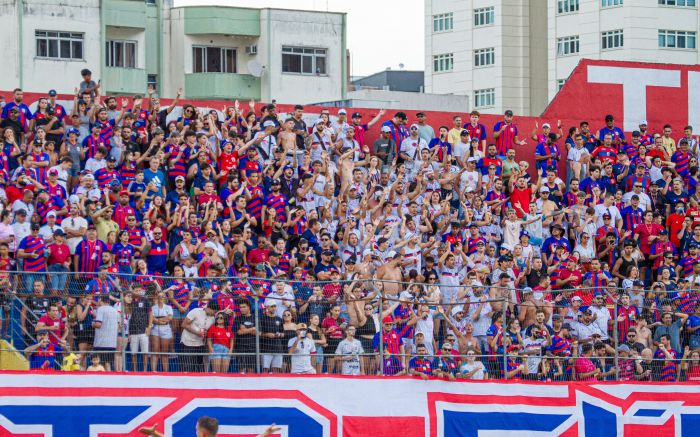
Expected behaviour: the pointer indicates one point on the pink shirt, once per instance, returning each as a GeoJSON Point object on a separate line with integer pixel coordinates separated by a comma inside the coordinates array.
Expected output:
{"type": "Point", "coordinates": [584, 365]}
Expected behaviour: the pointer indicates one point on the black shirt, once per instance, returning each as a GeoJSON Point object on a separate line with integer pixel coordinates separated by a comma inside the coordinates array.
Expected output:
{"type": "Point", "coordinates": [139, 317]}
{"type": "Point", "coordinates": [300, 125]}
{"type": "Point", "coordinates": [37, 306]}
{"type": "Point", "coordinates": [271, 324]}
{"type": "Point", "coordinates": [244, 342]}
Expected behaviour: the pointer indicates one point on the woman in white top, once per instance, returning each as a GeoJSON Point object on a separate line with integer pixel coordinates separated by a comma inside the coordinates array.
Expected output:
{"type": "Point", "coordinates": [472, 368]}
{"type": "Point", "coordinates": [161, 332]}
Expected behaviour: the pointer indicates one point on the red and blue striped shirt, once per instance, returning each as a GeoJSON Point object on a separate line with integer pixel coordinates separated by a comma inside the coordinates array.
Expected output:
{"type": "Point", "coordinates": [33, 245]}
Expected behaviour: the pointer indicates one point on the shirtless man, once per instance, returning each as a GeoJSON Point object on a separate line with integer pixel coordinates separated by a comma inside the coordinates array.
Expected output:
{"type": "Point", "coordinates": [287, 138]}
{"type": "Point", "coordinates": [391, 272]}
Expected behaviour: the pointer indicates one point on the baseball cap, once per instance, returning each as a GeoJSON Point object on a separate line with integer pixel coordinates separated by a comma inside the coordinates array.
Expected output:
{"type": "Point", "coordinates": [53, 172]}
{"type": "Point", "coordinates": [415, 126]}
{"type": "Point", "coordinates": [464, 132]}
{"type": "Point", "coordinates": [52, 93]}
{"type": "Point", "coordinates": [663, 232]}
{"type": "Point", "coordinates": [509, 113]}
{"type": "Point", "coordinates": [623, 348]}
{"type": "Point", "coordinates": [327, 252]}
{"type": "Point", "coordinates": [276, 182]}
{"type": "Point", "coordinates": [268, 123]}
{"type": "Point", "coordinates": [544, 125]}
{"type": "Point", "coordinates": [210, 245]}
{"type": "Point", "coordinates": [609, 117]}
{"type": "Point", "coordinates": [89, 176]}
{"type": "Point", "coordinates": [577, 298]}
{"type": "Point", "coordinates": [260, 267]}
{"type": "Point", "coordinates": [471, 159]}
{"type": "Point", "coordinates": [524, 233]}
{"type": "Point", "coordinates": [124, 192]}
{"type": "Point", "coordinates": [388, 319]}
{"type": "Point", "coordinates": [35, 227]}
{"type": "Point", "coordinates": [356, 115]}
{"type": "Point", "coordinates": [642, 122]}
{"type": "Point", "coordinates": [342, 111]}
{"type": "Point", "coordinates": [544, 190]}
{"type": "Point", "coordinates": [111, 159]}
{"type": "Point", "coordinates": [386, 129]}
{"type": "Point", "coordinates": [51, 214]}
{"type": "Point", "coordinates": [456, 310]}
{"type": "Point", "coordinates": [391, 254]}
{"type": "Point", "coordinates": [636, 133]}
{"type": "Point", "coordinates": [59, 232]}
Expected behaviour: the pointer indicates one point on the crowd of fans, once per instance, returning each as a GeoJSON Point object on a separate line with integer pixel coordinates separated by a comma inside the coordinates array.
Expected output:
{"type": "Point", "coordinates": [430, 251]}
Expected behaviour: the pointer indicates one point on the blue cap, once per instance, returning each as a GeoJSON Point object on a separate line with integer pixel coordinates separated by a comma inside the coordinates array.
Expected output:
{"type": "Point", "coordinates": [73, 131]}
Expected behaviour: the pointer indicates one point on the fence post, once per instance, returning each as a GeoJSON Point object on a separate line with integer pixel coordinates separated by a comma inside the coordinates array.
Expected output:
{"type": "Point", "coordinates": [504, 308]}
{"type": "Point", "coordinates": [616, 341]}
{"type": "Point", "coordinates": [257, 333]}
{"type": "Point", "coordinates": [381, 334]}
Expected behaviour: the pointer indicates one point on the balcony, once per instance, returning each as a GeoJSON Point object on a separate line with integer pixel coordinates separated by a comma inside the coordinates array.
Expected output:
{"type": "Point", "coordinates": [125, 13]}
{"type": "Point", "coordinates": [215, 20]}
{"type": "Point", "coordinates": [222, 86]}
{"type": "Point", "coordinates": [124, 80]}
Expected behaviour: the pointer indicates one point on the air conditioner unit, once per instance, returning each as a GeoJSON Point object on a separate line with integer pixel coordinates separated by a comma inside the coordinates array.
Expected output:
{"type": "Point", "coordinates": [251, 50]}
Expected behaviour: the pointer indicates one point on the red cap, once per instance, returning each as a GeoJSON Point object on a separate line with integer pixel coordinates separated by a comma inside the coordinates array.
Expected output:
{"type": "Point", "coordinates": [124, 193]}
{"type": "Point", "coordinates": [513, 348]}
{"type": "Point", "coordinates": [387, 319]}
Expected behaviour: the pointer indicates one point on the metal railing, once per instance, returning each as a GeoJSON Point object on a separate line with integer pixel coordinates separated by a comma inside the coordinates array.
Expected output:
{"type": "Point", "coordinates": [502, 353]}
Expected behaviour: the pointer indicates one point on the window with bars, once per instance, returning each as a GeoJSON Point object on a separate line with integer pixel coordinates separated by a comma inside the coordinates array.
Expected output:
{"type": "Point", "coordinates": [59, 45]}
{"type": "Point", "coordinates": [121, 54]}
{"type": "Point", "coordinates": [304, 60]}
{"type": "Point", "coordinates": [612, 39]}
{"type": "Point", "coordinates": [213, 59]}
{"type": "Point", "coordinates": [566, 6]}
{"type": "Point", "coordinates": [484, 98]}
{"type": "Point", "coordinates": [152, 81]}
{"type": "Point", "coordinates": [611, 3]}
{"type": "Point", "coordinates": [442, 22]}
{"type": "Point", "coordinates": [684, 3]}
{"type": "Point", "coordinates": [568, 45]}
{"type": "Point", "coordinates": [484, 16]}
{"type": "Point", "coordinates": [443, 62]}
{"type": "Point", "coordinates": [484, 57]}
{"type": "Point", "coordinates": [676, 39]}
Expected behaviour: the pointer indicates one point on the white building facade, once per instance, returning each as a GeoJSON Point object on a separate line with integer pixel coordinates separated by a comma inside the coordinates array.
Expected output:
{"type": "Point", "coordinates": [211, 52]}
{"type": "Point", "coordinates": [516, 54]}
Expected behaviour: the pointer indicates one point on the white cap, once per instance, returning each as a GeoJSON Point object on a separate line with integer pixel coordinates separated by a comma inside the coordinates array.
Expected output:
{"type": "Point", "coordinates": [386, 129]}
{"type": "Point", "coordinates": [319, 121]}
{"type": "Point", "coordinates": [342, 111]}
{"type": "Point", "coordinates": [74, 199]}
{"type": "Point", "coordinates": [471, 159]}
{"type": "Point", "coordinates": [456, 310]}
{"type": "Point", "coordinates": [367, 252]}
{"type": "Point", "coordinates": [209, 245]}
{"type": "Point", "coordinates": [406, 295]}
{"type": "Point", "coordinates": [391, 254]}
{"type": "Point", "coordinates": [89, 176]}
{"type": "Point", "coordinates": [268, 123]}
{"type": "Point", "coordinates": [577, 298]}
{"type": "Point", "coordinates": [544, 189]}
{"type": "Point", "coordinates": [544, 125]}
{"type": "Point", "coordinates": [469, 190]}
{"type": "Point", "coordinates": [51, 214]}
{"type": "Point", "coordinates": [643, 122]}
{"type": "Point", "coordinates": [415, 125]}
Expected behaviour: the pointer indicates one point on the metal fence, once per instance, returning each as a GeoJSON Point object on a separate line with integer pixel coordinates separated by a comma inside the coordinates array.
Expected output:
{"type": "Point", "coordinates": [507, 349]}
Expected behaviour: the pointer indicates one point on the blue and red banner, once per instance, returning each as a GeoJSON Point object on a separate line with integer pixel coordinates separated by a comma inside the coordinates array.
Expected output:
{"type": "Point", "coordinates": [110, 405]}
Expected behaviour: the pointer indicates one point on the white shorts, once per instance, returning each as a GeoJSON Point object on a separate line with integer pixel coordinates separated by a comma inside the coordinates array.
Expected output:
{"type": "Point", "coordinates": [138, 342]}
{"type": "Point", "coordinates": [272, 361]}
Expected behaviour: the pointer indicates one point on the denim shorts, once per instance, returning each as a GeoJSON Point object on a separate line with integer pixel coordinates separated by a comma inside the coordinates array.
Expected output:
{"type": "Point", "coordinates": [220, 352]}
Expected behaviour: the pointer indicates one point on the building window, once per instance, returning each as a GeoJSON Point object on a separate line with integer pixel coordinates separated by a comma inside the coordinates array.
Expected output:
{"type": "Point", "coordinates": [672, 39]}
{"type": "Point", "coordinates": [688, 3]}
{"type": "Point", "coordinates": [560, 83]}
{"type": "Point", "coordinates": [443, 62]}
{"type": "Point", "coordinates": [567, 45]}
{"type": "Point", "coordinates": [566, 6]}
{"type": "Point", "coordinates": [610, 3]}
{"type": "Point", "coordinates": [59, 45]}
{"type": "Point", "coordinates": [484, 16]}
{"type": "Point", "coordinates": [612, 39]}
{"type": "Point", "coordinates": [302, 60]}
{"type": "Point", "coordinates": [213, 60]}
{"type": "Point", "coordinates": [152, 81]}
{"type": "Point", "coordinates": [484, 98]}
{"type": "Point", "coordinates": [151, 2]}
{"type": "Point", "coordinates": [484, 57]}
{"type": "Point", "coordinates": [121, 54]}
{"type": "Point", "coordinates": [442, 22]}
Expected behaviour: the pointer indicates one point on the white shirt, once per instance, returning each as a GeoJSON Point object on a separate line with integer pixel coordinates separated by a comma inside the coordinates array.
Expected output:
{"type": "Point", "coordinates": [602, 317]}
{"type": "Point", "coordinates": [612, 210]}
{"type": "Point", "coordinates": [460, 150]}
{"type": "Point", "coordinates": [354, 349]}
{"type": "Point", "coordinates": [74, 224]}
{"type": "Point", "coordinates": [200, 321]}
{"type": "Point", "coordinates": [93, 164]}
{"type": "Point", "coordinates": [469, 179]}
{"type": "Point", "coordinates": [301, 358]}
{"type": "Point", "coordinates": [62, 176]}
{"type": "Point", "coordinates": [283, 301]}
{"type": "Point", "coordinates": [644, 200]}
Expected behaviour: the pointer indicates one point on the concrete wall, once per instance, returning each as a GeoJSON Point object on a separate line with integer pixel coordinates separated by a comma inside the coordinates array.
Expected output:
{"type": "Point", "coordinates": [301, 29]}
{"type": "Point", "coordinates": [81, 16]}
{"type": "Point", "coordinates": [407, 100]}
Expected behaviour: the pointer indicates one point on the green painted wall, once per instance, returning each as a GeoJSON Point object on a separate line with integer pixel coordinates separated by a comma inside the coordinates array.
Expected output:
{"type": "Point", "coordinates": [222, 86]}
{"type": "Point", "coordinates": [152, 40]}
{"type": "Point", "coordinates": [125, 13]}
{"type": "Point", "coordinates": [124, 80]}
{"type": "Point", "coordinates": [222, 21]}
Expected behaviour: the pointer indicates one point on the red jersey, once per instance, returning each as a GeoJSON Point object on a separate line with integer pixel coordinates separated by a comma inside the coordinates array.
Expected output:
{"type": "Point", "coordinates": [220, 335]}
{"type": "Point", "coordinates": [54, 336]}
